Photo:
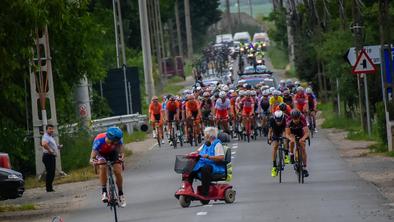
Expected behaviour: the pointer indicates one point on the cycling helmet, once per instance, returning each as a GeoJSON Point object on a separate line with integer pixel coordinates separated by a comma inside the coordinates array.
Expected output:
{"type": "Point", "coordinates": [276, 93]}
{"type": "Point", "coordinates": [253, 93]}
{"type": "Point", "coordinates": [289, 82]}
{"type": "Point", "coordinates": [272, 89]}
{"type": "Point", "coordinates": [309, 90]}
{"type": "Point", "coordinates": [295, 113]}
{"type": "Point", "coordinates": [155, 98]}
{"type": "Point", "coordinates": [282, 82]}
{"type": "Point", "coordinates": [297, 83]}
{"type": "Point", "coordinates": [225, 88]}
{"type": "Point", "coordinates": [114, 134]}
{"type": "Point", "coordinates": [266, 92]}
{"type": "Point", "coordinates": [222, 94]}
{"type": "Point", "coordinates": [300, 89]}
{"type": "Point", "coordinates": [283, 106]}
{"type": "Point", "coordinates": [248, 93]}
{"type": "Point", "coordinates": [278, 115]}
{"type": "Point", "coordinates": [241, 93]}
{"type": "Point", "coordinates": [172, 98]}
{"type": "Point", "coordinates": [286, 92]}
{"type": "Point", "coordinates": [206, 94]}
{"type": "Point", "coordinates": [190, 97]}
{"type": "Point", "coordinates": [198, 88]}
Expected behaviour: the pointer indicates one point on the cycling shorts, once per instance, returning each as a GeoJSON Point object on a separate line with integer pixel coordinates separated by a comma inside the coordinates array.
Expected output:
{"type": "Point", "coordinates": [157, 117]}
{"type": "Point", "coordinates": [171, 116]}
{"type": "Point", "coordinates": [111, 156]}
{"type": "Point", "coordinates": [221, 114]}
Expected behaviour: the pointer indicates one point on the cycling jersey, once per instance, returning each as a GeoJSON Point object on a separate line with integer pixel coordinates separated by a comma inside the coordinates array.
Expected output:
{"type": "Point", "coordinates": [155, 111]}
{"type": "Point", "coordinates": [300, 101]}
{"type": "Point", "coordinates": [276, 101]}
{"type": "Point", "coordinates": [288, 100]}
{"type": "Point", "coordinates": [311, 102]}
{"type": "Point", "coordinates": [221, 108]}
{"type": "Point", "coordinates": [286, 112]}
{"type": "Point", "coordinates": [296, 129]}
{"type": "Point", "coordinates": [265, 104]}
{"type": "Point", "coordinates": [192, 106]}
{"type": "Point", "coordinates": [277, 129]}
{"type": "Point", "coordinates": [104, 149]}
{"type": "Point", "coordinates": [247, 105]}
{"type": "Point", "coordinates": [172, 106]}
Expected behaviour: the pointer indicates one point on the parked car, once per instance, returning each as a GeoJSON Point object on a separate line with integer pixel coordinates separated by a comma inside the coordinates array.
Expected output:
{"type": "Point", "coordinates": [11, 183]}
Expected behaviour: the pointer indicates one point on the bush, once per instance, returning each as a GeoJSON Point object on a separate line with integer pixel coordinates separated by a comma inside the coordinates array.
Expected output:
{"type": "Point", "coordinates": [381, 122]}
{"type": "Point", "coordinates": [19, 146]}
{"type": "Point", "coordinates": [76, 150]}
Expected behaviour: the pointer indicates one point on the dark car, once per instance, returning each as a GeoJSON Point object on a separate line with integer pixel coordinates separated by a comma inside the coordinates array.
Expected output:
{"type": "Point", "coordinates": [11, 183]}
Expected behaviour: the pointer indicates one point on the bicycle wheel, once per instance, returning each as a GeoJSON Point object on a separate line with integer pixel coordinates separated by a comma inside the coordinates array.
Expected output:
{"type": "Point", "coordinates": [300, 166]}
{"type": "Point", "coordinates": [113, 202]}
{"type": "Point", "coordinates": [158, 137]}
{"type": "Point", "coordinates": [173, 138]}
{"type": "Point", "coordinates": [280, 163]}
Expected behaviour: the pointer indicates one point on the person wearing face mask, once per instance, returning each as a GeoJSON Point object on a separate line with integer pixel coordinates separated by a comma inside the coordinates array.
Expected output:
{"type": "Point", "coordinates": [212, 153]}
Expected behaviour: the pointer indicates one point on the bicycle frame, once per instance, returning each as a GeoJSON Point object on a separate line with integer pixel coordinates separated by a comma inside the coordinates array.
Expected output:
{"type": "Point", "coordinates": [300, 163]}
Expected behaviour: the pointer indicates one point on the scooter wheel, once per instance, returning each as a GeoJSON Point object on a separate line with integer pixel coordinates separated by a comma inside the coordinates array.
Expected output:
{"type": "Point", "coordinates": [204, 202]}
{"type": "Point", "coordinates": [184, 201]}
{"type": "Point", "coordinates": [229, 196]}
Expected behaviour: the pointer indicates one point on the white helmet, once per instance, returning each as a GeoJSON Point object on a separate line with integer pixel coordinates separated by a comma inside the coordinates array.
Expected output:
{"type": "Point", "coordinates": [225, 88]}
{"type": "Point", "coordinates": [248, 93]}
{"type": "Point", "coordinates": [253, 93]}
{"type": "Point", "coordinates": [272, 89]}
{"type": "Point", "coordinates": [308, 90]}
{"type": "Point", "coordinates": [222, 94]}
{"type": "Point", "coordinates": [278, 115]}
{"type": "Point", "coordinates": [276, 93]}
{"type": "Point", "coordinates": [282, 81]}
{"type": "Point", "coordinates": [241, 92]}
{"type": "Point", "coordinates": [297, 83]}
{"type": "Point", "coordinates": [300, 89]}
{"type": "Point", "coordinates": [266, 92]}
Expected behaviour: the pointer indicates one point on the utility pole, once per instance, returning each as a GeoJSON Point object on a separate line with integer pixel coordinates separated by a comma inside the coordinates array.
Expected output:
{"type": "Point", "coordinates": [239, 13]}
{"type": "Point", "coordinates": [358, 35]}
{"type": "Point", "coordinates": [384, 29]}
{"type": "Point", "coordinates": [146, 50]}
{"type": "Point", "coordinates": [251, 8]}
{"type": "Point", "coordinates": [178, 28]}
{"type": "Point", "coordinates": [228, 14]}
{"type": "Point", "coordinates": [120, 48]}
{"type": "Point", "coordinates": [41, 90]}
{"type": "Point", "coordinates": [189, 38]}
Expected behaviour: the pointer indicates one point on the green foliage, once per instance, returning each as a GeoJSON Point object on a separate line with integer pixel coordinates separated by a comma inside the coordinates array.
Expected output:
{"type": "Point", "coordinates": [76, 149]}
{"type": "Point", "coordinates": [278, 33]}
{"type": "Point", "coordinates": [381, 122]}
{"type": "Point", "coordinates": [278, 56]}
{"type": "Point", "coordinates": [17, 207]}
{"type": "Point", "coordinates": [136, 136]}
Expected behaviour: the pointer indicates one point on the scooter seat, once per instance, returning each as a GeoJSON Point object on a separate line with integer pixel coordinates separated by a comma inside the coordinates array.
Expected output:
{"type": "Point", "coordinates": [219, 177]}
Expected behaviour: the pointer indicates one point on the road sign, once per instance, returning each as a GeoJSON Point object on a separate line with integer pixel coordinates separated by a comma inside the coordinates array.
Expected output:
{"type": "Point", "coordinates": [373, 52]}
{"type": "Point", "coordinates": [363, 64]}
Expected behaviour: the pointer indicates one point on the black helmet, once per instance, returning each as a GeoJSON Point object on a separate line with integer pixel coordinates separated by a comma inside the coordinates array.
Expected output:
{"type": "Point", "coordinates": [295, 113]}
{"type": "Point", "coordinates": [283, 106]}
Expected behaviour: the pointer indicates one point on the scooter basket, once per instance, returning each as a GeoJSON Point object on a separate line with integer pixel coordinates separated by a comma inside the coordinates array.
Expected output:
{"type": "Point", "coordinates": [183, 164]}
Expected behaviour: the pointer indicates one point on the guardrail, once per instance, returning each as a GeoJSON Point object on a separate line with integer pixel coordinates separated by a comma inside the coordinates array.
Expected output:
{"type": "Point", "coordinates": [132, 121]}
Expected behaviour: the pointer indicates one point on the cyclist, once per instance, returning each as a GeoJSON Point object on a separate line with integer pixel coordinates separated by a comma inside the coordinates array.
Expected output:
{"type": "Point", "coordinates": [192, 112]}
{"type": "Point", "coordinates": [156, 117]}
{"type": "Point", "coordinates": [247, 104]}
{"type": "Point", "coordinates": [312, 104]}
{"type": "Point", "coordinates": [287, 98]}
{"type": "Point", "coordinates": [301, 100]}
{"type": "Point", "coordinates": [277, 126]}
{"type": "Point", "coordinates": [206, 109]}
{"type": "Point", "coordinates": [275, 100]}
{"type": "Point", "coordinates": [286, 109]}
{"type": "Point", "coordinates": [108, 146]}
{"type": "Point", "coordinates": [172, 112]}
{"type": "Point", "coordinates": [222, 108]}
{"type": "Point", "coordinates": [282, 85]}
{"type": "Point", "coordinates": [296, 126]}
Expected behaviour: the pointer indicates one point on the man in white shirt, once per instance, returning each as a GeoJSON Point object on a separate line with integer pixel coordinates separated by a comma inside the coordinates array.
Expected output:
{"type": "Point", "coordinates": [50, 151]}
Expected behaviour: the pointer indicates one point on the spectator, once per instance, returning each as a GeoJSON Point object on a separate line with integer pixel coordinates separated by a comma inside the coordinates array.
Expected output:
{"type": "Point", "coordinates": [50, 151]}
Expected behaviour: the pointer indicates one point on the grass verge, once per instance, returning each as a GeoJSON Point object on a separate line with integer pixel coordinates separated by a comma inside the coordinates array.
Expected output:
{"type": "Point", "coordinates": [136, 136]}
{"type": "Point", "coordinates": [278, 57]}
{"type": "Point", "coordinates": [17, 207]}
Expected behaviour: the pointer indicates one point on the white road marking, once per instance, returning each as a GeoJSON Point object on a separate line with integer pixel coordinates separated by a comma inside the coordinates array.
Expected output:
{"type": "Point", "coordinates": [233, 152]}
{"type": "Point", "coordinates": [208, 205]}
{"type": "Point", "coordinates": [202, 213]}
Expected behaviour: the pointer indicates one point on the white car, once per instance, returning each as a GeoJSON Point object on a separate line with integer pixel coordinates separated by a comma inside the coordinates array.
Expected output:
{"type": "Point", "coordinates": [261, 37]}
{"type": "Point", "coordinates": [242, 37]}
{"type": "Point", "coordinates": [224, 38]}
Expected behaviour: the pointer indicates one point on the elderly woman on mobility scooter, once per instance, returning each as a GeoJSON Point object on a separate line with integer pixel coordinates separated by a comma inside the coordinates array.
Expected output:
{"type": "Point", "coordinates": [208, 163]}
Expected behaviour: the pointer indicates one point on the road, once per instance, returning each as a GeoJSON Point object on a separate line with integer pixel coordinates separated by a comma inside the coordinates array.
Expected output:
{"type": "Point", "coordinates": [332, 192]}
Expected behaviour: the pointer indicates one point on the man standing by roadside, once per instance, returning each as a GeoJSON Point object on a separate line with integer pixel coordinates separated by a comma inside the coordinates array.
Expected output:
{"type": "Point", "coordinates": [50, 151]}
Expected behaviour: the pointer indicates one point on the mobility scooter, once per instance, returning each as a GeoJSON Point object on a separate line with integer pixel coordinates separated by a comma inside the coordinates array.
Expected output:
{"type": "Point", "coordinates": [184, 164]}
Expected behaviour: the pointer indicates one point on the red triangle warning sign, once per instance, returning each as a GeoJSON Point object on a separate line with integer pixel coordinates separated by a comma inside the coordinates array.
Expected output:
{"type": "Point", "coordinates": [363, 64]}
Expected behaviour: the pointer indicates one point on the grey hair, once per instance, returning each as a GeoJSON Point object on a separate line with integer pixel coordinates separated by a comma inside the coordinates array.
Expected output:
{"type": "Point", "coordinates": [211, 132]}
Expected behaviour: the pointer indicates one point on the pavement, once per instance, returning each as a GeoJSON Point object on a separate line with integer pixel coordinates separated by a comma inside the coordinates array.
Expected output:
{"type": "Point", "coordinates": [333, 192]}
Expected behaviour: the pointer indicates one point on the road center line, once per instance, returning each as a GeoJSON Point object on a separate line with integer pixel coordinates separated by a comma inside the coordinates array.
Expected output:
{"type": "Point", "coordinates": [202, 213]}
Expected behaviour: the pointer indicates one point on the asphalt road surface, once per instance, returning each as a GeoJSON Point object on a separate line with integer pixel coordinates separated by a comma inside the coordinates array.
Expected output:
{"type": "Point", "coordinates": [332, 192]}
